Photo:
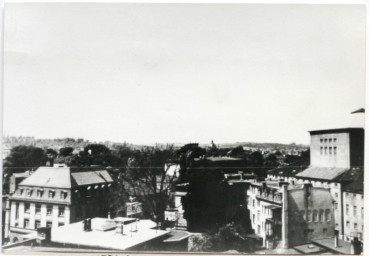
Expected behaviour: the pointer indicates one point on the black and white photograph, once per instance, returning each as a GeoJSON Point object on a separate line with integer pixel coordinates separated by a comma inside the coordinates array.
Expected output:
{"type": "Point", "coordinates": [172, 127]}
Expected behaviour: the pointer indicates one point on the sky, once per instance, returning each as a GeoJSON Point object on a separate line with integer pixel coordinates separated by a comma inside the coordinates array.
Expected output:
{"type": "Point", "coordinates": [179, 73]}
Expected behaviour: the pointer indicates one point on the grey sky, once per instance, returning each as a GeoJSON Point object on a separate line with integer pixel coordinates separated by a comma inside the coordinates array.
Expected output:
{"type": "Point", "coordinates": [146, 73]}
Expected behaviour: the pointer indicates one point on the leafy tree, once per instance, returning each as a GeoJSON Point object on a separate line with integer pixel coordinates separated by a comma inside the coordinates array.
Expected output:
{"type": "Point", "coordinates": [213, 150]}
{"type": "Point", "coordinates": [96, 154]}
{"type": "Point", "coordinates": [24, 156]}
{"type": "Point", "coordinates": [66, 151]}
{"type": "Point", "coordinates": [271, 161]}
{"type": "Point", "coordinates": [255, 159]}
{"type": "Point", "coordinates": [237, 152]}
{"type": "Point", "coordinates": [146, 179]}
{"type": "Point", "coordinates": [186, 155]}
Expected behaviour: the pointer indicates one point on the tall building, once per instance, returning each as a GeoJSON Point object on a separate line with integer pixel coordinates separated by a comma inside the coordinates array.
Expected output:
{"type": "Point", "coordinates": [336, 151]}
{"type": "Point", "coordinates": [55, 196]}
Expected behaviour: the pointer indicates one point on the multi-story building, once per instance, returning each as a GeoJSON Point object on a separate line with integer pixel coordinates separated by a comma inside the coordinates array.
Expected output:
{"type": "Point", "coordinates": [56, 196]}
{"type": "Point", "coordinates": [285, 215]}
{"type": "Point", "coordinates": [335, 151]}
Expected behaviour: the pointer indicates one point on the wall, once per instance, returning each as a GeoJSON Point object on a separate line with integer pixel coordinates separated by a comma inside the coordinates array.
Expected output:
{"type": "Point", "coordinates": [326, 158]}
{"type": "Point", "coordinates": [305, 218]}
{"type": "Point", "coordinates": [357, 147]}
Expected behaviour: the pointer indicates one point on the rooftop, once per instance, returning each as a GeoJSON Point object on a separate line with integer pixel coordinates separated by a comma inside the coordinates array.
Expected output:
{"type": "Point", "coordinates": [61, 177]}
{"type": "Point", "coordinates": [74, 234]}
{"type": "Point", "coordinates": [290, 170]}
{"type": "Point", "coordinates": [328, 243]}
{"type": "Point", "coordinates": [353, 180]}
{"type": "Point", "coordinates": [322, 173]}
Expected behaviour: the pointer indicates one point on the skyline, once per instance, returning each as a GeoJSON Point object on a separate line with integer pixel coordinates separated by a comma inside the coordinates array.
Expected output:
{"type": "Point", "coordinates": [178, 73]}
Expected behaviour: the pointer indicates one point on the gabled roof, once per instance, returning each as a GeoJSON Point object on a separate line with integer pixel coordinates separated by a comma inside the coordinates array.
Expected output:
{"type": "Point", "coordinates": [322, 173]}
{"type": "Point", "coordinates": [53, 177]}
{"type": "Point", "coordinates": [92, 177]}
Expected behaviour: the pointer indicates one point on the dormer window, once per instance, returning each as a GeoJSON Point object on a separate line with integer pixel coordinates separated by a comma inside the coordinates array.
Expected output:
{"type": "Point", "coordinates": [63, 194]}
{"type": "Point", "coordinates": [51, 193]}
{"type": "Point", "coordinates": [29, 192]}
{"type": "Point", "coordinates": [20, 191]}
{"type": "Point", "coordinates": [40, 192]}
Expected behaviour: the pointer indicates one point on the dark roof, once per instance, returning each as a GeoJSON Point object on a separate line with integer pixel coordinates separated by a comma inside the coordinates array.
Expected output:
{"type": "Point", "coordinates": [92, 177]}
{"type": "Point", "coordinates": [353, 180]}
{"type": "Point", "coordinates": [322, 173]}
{"type": "Point", "coordinates": [290, 170]}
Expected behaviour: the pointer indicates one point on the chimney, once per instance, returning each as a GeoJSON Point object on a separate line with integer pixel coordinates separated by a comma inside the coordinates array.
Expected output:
{"type": "Point", "coordinates": [87, 225]}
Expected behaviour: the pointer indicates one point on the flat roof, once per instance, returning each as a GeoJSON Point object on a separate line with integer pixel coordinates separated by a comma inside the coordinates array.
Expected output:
{"type": "Point", "coordinates": [74, 234]}
{"type": "Point", "coordinates": [328, 243]}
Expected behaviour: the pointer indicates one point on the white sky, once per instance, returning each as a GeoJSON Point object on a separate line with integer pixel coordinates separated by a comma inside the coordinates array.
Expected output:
{"type": "Point", "coordinates": [146, 73]}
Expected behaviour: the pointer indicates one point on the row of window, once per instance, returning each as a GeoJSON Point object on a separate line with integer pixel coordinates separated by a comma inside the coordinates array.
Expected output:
{"type": "Point", "coordinates": [49, 209]}
{"type": "Point", "coordinates": [328, 140]}
{"type": "Point", "coordinates": [330, 150]}
{"type": "Point", "coordinates": [355, 225]}
{"type": "Point", "coordinates": [354, 211]}
{"type": "Point", "coordinates": [27, 224]}
{"type": "Point", "coordinates": [40, 192]}
{"type": "Point", "coordinates": [316, 216]}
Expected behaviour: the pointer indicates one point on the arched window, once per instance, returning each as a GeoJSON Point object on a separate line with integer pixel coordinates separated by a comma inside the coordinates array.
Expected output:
{"type": "Point", "coordinates": [315, 216]}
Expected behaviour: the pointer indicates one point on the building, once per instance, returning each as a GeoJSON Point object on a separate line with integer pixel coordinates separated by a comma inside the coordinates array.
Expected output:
{"type": "Point", "coordinates": [120, 234]}
{"type": "Point", "coordinates": [336, 151]}
{"type": "Point", "coordinates": [285, 215]}
{"type": "Point", "coordinates": [55, 196]}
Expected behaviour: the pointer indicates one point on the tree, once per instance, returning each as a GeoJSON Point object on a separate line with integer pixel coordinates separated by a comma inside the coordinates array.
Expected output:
{"type": "Point", "coordinates": [255, 159]}
{"type": "Point", "coordinates": [66, 151]}
{"type": "Point", "coordinates": [21, 157]}
{"type": "Point", "coordinates": [146, 179]}
{"type": "Point", "coordinates": [96, 154]}
{"type": "Point", "coordinates": [271, 161]}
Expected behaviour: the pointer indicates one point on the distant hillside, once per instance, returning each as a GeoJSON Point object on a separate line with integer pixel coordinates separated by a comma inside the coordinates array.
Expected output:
{"type": "Point", "coordinates": [79, 143]}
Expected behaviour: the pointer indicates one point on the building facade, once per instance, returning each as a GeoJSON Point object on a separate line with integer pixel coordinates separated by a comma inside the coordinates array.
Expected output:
{"type": "Point", "coordinates": [55, 196]}
{"type": "Point", "coordinates": [285, 215]}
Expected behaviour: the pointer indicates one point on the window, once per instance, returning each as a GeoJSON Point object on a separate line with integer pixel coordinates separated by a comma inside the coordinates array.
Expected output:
{"type": "Point", "coordinates": [328, 215]}
{"type": "Point", "coordinates": [61, 211]}
{"type": "Point", "coordinates": [355, 210]}
{"type": "Point", "coordinates": [335, 150]}
{"type": "Point", "coordinates": [253, 202]}
{"type": "Point", "coordinates": [309, 219]}
{"type": "Point", "coordinates": [26, 223]}
{"type": "Point", "coordinates": [17, 211]}
{"type": "Point", "coordinates": [63, 194]}
{"type": "Point", "coordinates": [325, 140]}
{"type": "Point", "coordinates": [48, 224]}
{"type": "Point", "coordinates": [26, 207]}
{"type": "Point", "coordinates": [336, 194]}
{"type": "Point", "coordinates": [315, 216]}
{"type": "Point", "coordinates": [355, 225]}
{"type": "Point", "coordinates": [38, 224]}
{"type": "Point", "coordinates": [38, 208]}
{"type": "Point", "coordinates": [51, 193]}
{"type": "Point", "coordinates": [347, 209]}
{"type": "Point", "coordinates": [253, 218]}
{"type": "Point", "coordinates": [325, 150]}
{"type": "Point", "coordinates": [362, 212]}
{"type": "Point", "coordinates": [258, 216]}
{"type": "Point", "coordinates": [258, 229]}
{"type": "Point", "coordinates": [39, 193]}
{"type": "Point", "coordinates": [60, 224]}
{"type": "Point", "coordinates": [258, 203]}
{"type": "Point", "coordinates": [49, 210]}
{"type": "Point", "coordinates": [321, 150]}
{"type": "Point", "coordinates": [321, 215]}
{"type": "Point", "coordinates": [336, 206]}
{"type": "Point", "coordinates": [29, 192]}
{"type": "Point", "coordinates": [330, 150]}
{"type": "Point", "coordinates": [20, 192]}
{"type": "Point", "coordinates": [334, 139]}
{"type": "Point", "coordinates": [321, 140]}
{"type": "Point", "coordinates": [347, 224]}
{"type": "Point", "coordinates": [330, 140]}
